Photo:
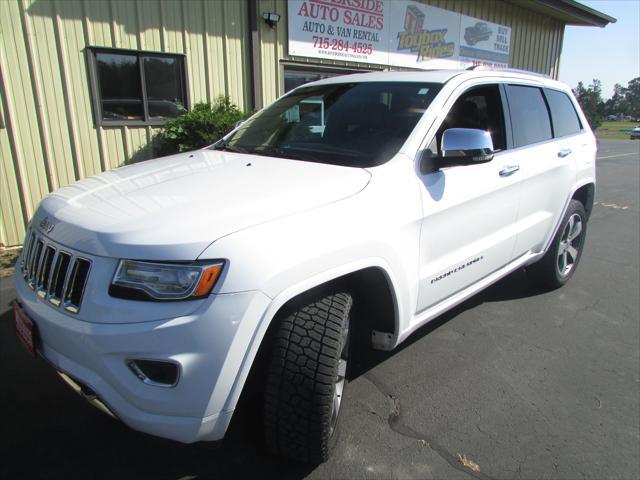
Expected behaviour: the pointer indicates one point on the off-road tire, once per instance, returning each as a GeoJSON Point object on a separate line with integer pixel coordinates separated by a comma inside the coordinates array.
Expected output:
{"type": "Point", "coordinates": [549, 272]}
{"type": "Point", "coordinates": [302, 377]}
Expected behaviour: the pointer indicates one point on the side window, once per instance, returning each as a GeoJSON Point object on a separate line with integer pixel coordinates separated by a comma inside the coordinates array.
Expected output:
{"type": "Point", "coordinates": [529, 115]}
{"type": "Point", "coordinates": [563, 114]}
{"type": "Point", "coordinates": [481, 108]}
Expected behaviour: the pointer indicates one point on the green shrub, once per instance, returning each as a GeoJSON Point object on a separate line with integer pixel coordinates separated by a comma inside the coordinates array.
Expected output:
{"type": "Point", "coordinates": [203, 125]}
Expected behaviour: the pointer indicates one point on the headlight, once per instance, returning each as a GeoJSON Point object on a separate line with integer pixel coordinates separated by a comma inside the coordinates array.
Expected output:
{"type": "Point", "coordinates": [164, 281]}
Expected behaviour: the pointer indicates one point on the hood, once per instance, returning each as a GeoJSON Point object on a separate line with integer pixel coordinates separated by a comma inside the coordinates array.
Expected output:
{"type": "Point", "coordinates": [172, 208]}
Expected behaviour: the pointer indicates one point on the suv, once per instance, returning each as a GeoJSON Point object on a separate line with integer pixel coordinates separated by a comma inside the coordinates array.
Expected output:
{"type": "Point", "coordinates": [361, 206]}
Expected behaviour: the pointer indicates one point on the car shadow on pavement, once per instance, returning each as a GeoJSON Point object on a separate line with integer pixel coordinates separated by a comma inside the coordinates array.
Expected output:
{"type": "Point", "coordinates": [513, 286]}
{"type": "Point", "coordinates": [50, 432]}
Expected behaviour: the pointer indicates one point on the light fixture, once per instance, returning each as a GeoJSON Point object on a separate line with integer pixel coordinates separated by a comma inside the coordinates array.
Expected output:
{"type": "Point", "coordinates": [271, 19]}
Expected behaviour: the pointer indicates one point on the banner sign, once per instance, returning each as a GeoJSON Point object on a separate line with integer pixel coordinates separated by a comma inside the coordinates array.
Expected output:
{"type": "Point", "coordinates": [395, 33]}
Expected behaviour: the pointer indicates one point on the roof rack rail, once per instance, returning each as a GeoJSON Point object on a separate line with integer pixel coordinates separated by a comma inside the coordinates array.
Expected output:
{"type": "Point", "coordinates": [511, 70]}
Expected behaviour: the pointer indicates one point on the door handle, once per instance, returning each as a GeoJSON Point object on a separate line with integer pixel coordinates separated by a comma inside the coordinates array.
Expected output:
{"type": "Point", "coordinates": [509, 170]}
{"type": "Point", "coordinates": [564, 152]}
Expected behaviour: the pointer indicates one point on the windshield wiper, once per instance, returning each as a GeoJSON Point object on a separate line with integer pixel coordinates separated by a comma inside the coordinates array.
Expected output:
{"type": "Point", "coordinates": [228, 148]}
{"type": "Point", "coordinates": [284, 152]}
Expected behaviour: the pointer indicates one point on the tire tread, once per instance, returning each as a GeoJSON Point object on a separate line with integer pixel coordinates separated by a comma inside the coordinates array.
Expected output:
{"type": "Point", "coordinates": [301, 378]}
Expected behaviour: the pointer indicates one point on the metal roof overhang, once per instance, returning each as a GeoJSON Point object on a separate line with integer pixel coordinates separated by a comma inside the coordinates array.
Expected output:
{"type": "Point", "coordinates": [568, 11]}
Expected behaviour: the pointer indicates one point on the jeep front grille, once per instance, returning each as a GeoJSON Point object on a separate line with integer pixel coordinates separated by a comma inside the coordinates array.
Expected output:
{"type": "Point", "coordinates": [56, 275]}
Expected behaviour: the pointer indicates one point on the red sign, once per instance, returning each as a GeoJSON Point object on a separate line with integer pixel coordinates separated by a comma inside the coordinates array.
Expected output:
{"type": "Point", "coordinates": [25, 328]}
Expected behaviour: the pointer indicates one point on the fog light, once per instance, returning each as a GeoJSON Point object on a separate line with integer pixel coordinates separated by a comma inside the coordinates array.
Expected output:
{"type": "Point", "coordinates": [155, 372]}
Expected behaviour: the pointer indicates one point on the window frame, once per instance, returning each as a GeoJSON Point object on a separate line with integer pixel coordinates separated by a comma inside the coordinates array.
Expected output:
{"type": "Point", "coordinates": [546, 91]}
{"type": "Point", "coordinates": [504, 107]}
{"type": "Point", "coordinates": [94, 84]}
{"type": "Point", "coordinates": [545, 102]}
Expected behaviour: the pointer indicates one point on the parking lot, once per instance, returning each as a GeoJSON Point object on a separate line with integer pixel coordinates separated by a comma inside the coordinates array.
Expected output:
{"type": "Point", "coordinates": [518, 382]}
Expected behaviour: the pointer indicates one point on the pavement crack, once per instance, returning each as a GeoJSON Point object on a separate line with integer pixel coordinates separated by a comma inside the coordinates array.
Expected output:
{"type": "Point", "coordinates": [396, 424]}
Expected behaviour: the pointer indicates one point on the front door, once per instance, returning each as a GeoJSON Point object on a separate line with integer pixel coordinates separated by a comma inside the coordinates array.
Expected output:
{"type": "Point", "coordinates": [468, 228]}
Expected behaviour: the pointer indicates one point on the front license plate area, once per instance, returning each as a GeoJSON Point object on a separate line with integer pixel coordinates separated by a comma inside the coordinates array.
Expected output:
{"type": "Point", "coordinates": [25, 329]}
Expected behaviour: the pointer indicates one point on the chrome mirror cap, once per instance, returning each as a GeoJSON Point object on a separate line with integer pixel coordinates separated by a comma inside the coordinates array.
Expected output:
{"type": "Point", "coordinates": [471, 144]}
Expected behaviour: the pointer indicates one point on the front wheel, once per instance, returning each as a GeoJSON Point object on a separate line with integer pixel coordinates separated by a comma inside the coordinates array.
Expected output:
{"type": "Point", "coordinates": [307, 377]}
{"type": "Point", "coordinates": [558, 265]}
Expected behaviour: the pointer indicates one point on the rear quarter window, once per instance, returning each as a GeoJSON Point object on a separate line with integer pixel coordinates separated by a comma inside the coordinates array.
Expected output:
{"type": "Point", "coordinates": [563, 114]}
{"type": "Point", "coordinates": [529, 115]}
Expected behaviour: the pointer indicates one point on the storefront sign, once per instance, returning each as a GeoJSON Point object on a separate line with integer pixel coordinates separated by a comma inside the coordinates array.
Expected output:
{"type": "Point", "coordinates": [395, 33]}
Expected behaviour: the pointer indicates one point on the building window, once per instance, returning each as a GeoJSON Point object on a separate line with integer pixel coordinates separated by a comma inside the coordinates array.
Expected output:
{"type": "Point", "coordinates": [295, 75]}
{"type": "Point", "coordinates": [295, 78]}
{"type": "Point", "coordinates": [137, 88]}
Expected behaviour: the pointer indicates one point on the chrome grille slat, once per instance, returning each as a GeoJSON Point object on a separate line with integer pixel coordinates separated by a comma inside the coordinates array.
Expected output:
{"type": "Point", "coordinates": [26, 252]}
{"type": "Point", "coordinates": [35, 263]}
{"type": "Point", "coordinates": [42, 283]}
{"type": "Point", "coordinates": [76, 284]}
{"type": "Point", "coordinates": [61, 272]}
{"type": "Point", "coordinates": [56, 275]}
{"type": "Point", "coordinates": [29, 256]}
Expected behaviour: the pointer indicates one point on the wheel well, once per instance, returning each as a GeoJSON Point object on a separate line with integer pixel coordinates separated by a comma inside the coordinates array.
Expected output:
{"type": "Point", "coordinates": [585, 195]}
{"type": "Point", "coordinates": [373, 309]}
{"type": "Point", "coordinates": [374, 303]}
{"type": "Point", "coordinates": [373, 306]}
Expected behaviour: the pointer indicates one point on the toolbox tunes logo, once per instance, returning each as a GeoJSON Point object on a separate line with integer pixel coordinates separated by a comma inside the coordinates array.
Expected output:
{"type": "Point", "coordinates": [427, 43]}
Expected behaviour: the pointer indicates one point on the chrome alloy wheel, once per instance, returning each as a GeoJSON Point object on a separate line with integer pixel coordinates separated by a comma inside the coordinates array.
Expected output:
{"type": "Point", "coordinates": [342, 375]}
{"type": "Point", "coordinates": [570, 245]}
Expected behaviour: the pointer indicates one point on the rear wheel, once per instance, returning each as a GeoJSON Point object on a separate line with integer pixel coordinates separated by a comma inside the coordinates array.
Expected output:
{"type": "Point", "coordinates": [561, 260]}
{"type": "Point", "coordinates": [307, 378]}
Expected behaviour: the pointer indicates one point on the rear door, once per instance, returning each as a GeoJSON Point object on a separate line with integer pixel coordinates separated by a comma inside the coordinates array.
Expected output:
{"type": "Point", "coordinates": [547, 166]}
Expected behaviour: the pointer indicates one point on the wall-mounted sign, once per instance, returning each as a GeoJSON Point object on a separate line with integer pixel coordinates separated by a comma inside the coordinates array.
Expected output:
{"type": "Point", "coordinates": [395, 33]}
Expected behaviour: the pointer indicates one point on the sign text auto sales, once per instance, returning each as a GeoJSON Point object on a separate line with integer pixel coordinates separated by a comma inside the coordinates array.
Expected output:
{"type": "Point", "coordinates": [338, 29]}
{"type": "Point", "coordinates": [359, 13]}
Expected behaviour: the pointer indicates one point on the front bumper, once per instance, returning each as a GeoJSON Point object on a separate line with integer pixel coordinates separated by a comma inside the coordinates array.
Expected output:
{"type": "Point", "coordinates": [209, 346]}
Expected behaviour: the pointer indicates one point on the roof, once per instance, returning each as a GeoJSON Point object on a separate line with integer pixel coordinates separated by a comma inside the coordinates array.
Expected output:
{"type": "Point", "coordinates": [570, 12]}
{"type": "Point", "coordinates": [431, 76]}
{"type": "Point", "coordinates": [442, 76]}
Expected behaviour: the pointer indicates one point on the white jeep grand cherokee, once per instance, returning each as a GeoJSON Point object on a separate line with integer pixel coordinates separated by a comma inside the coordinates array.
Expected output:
{"type": "Point", "coordinates": [153, 287]}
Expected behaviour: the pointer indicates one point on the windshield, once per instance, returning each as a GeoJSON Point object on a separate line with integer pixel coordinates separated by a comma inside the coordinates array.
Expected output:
{"type": "Point", "coordinates": [351, 124]}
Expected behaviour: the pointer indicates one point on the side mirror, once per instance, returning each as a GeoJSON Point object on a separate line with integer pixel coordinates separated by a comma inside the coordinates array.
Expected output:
{"type": "Point", "coordinates": [238, 123]}
{"type": "Point", "coordinates": [465, 146]}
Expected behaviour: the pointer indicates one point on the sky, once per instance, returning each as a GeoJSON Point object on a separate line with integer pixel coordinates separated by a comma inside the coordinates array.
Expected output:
{"type": "Point", "coordinates": [610, 54]}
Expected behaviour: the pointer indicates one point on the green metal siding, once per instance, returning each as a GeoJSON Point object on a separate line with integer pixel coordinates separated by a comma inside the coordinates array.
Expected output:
{"type": "Point", "coordinates": [50, 140]}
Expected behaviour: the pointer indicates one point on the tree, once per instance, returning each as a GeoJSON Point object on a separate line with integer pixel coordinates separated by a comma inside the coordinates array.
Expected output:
{"type": "Point", "coordinates": [590, 99]}
{"type": "Point", "coordinates": [632, 98]}
{"type": "Point", "coordinates": [617, 104]}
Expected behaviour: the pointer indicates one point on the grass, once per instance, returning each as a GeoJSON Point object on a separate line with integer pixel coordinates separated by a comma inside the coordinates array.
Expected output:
{"type": "Point", "coordinates": [8, 260]}
{"type": "Point", "coordinates": [611, 130]}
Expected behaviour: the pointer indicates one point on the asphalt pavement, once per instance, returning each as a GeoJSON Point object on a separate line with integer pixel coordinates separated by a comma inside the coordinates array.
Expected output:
{"type": "Point", "coordinates": [514, 383]}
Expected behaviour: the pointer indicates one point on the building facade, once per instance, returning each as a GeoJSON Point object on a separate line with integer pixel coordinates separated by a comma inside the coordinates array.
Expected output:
{"type": "Point", "coordinates": [85, 84]}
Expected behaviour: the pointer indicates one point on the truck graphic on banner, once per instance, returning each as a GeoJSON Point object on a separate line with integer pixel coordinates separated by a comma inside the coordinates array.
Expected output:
{"type": "Point", "coordinates": [480, 32]}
